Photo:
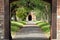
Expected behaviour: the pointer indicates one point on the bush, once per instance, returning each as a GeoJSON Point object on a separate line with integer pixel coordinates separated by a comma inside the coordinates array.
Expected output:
{"type": "Point", "coordinates": [21, 13]}
{"type": "Point", "coordinates": [44, 26]}
{"type": "Point", "coordinates": [15, 26]}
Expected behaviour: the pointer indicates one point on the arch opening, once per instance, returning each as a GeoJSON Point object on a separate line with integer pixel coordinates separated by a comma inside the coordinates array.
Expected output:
{"type": "Point", "coordinates": [29, 18]}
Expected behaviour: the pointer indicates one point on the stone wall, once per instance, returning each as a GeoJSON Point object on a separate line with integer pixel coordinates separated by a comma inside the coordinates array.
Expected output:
{"type": "Point", "coordinates": [32, 15]}
{"type": "Point", "coordinates": [58, 19]}
{"type": "Point", "coordinates": [1, 12]}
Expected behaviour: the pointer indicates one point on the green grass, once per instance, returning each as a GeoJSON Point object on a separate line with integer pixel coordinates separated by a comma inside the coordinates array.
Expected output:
{"type": "Point", "coordinates": [23, 22]}
{"type": "Point", "coordinates": [15, 26]}
{"type": "Point", "coordinates": [17, 23]}
{"type": "Point", "coordinates": [37, 22]}
{"type": "Point", "coordinates": [44, 26]}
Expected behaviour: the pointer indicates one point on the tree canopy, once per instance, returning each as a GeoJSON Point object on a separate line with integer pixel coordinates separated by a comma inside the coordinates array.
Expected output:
{"type": "Point", "coordinates": [41, 8]}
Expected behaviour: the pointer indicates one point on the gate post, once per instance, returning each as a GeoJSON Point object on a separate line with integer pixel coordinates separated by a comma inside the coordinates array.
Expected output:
{"type": "Point", "coordinates": [7, 31]}
{"type": "Point", "coordinates": [54, 20]}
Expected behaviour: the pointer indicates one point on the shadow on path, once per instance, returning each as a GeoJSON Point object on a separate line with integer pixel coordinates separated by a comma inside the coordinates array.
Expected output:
{"type": "Point", "coordinates": [31, 39]}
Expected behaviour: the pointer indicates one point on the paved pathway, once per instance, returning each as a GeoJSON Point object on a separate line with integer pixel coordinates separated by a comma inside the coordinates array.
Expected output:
{"type": "Point", "coordinates": [30, 32]}
{"type": "Point", "coordinates": [30, 23]}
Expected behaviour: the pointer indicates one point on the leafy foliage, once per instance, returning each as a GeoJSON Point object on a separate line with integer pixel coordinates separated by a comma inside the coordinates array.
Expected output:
{"type": "Point", "coordinates": [41, 8]}
{"type": "Point", "coordinates": [21, 13]}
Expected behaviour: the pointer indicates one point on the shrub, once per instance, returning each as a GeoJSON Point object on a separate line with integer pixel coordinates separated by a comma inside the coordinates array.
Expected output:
{"type": "Point", "coordinates": [15, 26]}
{"type": "Point", "coordinates": [44, 26]}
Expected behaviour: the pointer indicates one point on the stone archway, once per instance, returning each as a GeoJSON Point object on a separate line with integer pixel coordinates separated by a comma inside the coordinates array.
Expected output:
{"type": "Point", "coordinates": [31, 16]}
{"type": "Point", "coordinates": [6, 25]}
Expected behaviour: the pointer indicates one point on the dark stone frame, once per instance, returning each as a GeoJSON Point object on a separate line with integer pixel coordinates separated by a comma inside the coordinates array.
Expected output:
{"type": "Point", "coordinates": [54, 20]}
{"type": "Point", "coordinates": [7, 28]}
{"type": "Point", "coordinates": [7, 33]}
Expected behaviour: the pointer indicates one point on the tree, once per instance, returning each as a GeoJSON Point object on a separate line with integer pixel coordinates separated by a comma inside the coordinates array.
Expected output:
{"type": "Point", "coordinates": [21, 13]}
{"type": "Point", "coordinates": [28, 5]}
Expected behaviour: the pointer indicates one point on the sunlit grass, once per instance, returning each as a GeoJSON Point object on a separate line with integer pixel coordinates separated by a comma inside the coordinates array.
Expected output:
{"type": "Point", "coordinates": [23, 22]}
{"type": "Point", "coordinates": [15, 26]}
{"type": "Point", "coordinates": [44, 26]}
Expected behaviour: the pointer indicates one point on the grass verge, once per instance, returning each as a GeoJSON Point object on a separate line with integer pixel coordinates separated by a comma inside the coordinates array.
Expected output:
{"type": "Point", "coordinates": [44, 26]}
{"type": "Point", "coordinates": [15, 26]}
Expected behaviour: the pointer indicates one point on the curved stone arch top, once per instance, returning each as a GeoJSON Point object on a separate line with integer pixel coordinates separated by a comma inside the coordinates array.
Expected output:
{"type": "Point", "coordinates": [32, 16]}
